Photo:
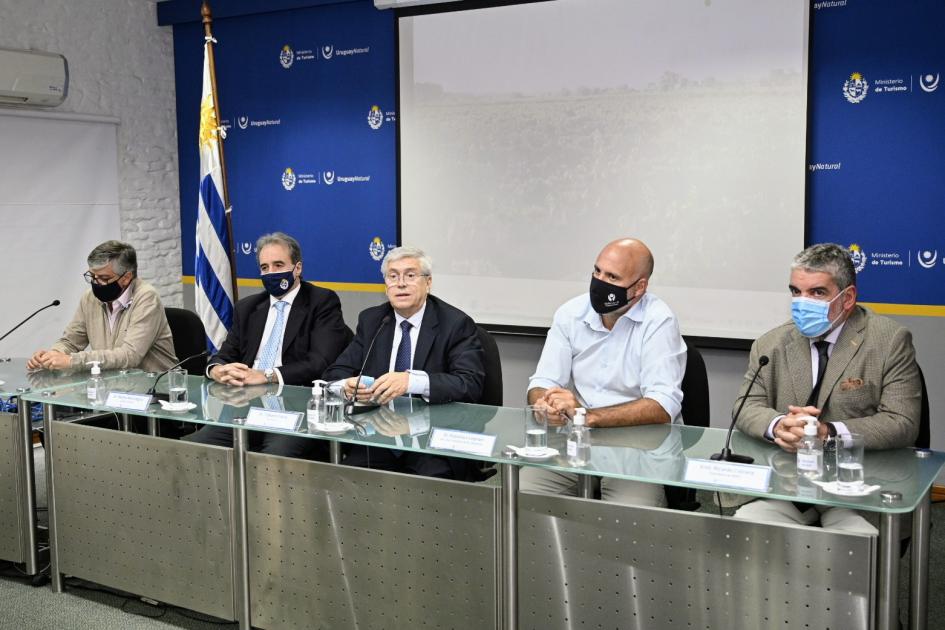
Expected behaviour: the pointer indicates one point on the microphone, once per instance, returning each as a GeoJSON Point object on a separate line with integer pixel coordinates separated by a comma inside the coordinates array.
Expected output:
{"type": "Point", "coordinates": [726, 454]}
{"type": "Point", "coordinates": [151, 392]}
{"type": "Point", "coordinates": [37, 311]}
{"type": "Point", "coordinates": [349, 406]}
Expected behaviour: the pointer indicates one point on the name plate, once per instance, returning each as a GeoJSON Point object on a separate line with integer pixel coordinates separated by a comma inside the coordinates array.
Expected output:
{"type": "Point", "coordinates": [270, 419]}
{"type": "Point", "coordinates": [127, 400]}
{"type": "Point", "coordinates": [462, 441]}
{"type": "Point", "coordinates": [728, 474]}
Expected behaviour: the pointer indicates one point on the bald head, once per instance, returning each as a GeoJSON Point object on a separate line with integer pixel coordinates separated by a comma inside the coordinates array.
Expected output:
{"type": "Point", "coordinates": [631, 256]}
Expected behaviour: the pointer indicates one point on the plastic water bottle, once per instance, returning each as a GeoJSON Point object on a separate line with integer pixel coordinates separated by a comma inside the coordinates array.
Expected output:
{"type": "Point", "coordinates": [810, 451]}
{"type": "Point", "coordinates": [95, 388]}
{"type": "Point", "coordinates": [579, 440]}
{"type": "Point", "coordinates": [315, 413]}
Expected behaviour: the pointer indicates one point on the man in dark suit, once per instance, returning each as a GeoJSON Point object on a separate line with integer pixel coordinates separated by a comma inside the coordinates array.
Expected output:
{"type": "Point", "coordinates": [422, 347]}
{"type": "Point", "coordinates": [287, 335]}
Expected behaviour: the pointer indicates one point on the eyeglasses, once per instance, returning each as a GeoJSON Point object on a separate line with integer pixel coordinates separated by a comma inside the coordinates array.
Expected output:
{"type": "Point", "coordinates": [408, 277]}
{"type": "Point", "coordinates": [91, 278]}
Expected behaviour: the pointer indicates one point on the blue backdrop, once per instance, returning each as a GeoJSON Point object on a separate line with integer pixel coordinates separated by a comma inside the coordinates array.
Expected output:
{"type": "Point", "coordinates": [309, 96]}
{"type": "Point", "coordinates": [877, 144]}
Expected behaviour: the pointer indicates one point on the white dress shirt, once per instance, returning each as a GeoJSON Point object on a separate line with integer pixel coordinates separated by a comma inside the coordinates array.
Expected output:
{"type": "Point", "coordinates": [288, 298]}
{"type": "Point", "coordinates": [643, 356]}
{"type": "Point", "coordinates": [418, 381]}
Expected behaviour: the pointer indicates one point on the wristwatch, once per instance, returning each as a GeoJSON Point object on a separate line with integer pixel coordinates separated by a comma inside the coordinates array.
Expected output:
{"type": "Point", "coordinates": [270, 375]}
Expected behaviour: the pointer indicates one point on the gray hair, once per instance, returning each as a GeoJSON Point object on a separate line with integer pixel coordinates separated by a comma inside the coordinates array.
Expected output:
{"type": "Point", "coordinates": [828, 258]}
{"type": "Point", "coordinates": [122, 256]}
{"type": "Point", "coordinates": [280, 238]}
{"type": "Point", "coordinates": [399, 253]}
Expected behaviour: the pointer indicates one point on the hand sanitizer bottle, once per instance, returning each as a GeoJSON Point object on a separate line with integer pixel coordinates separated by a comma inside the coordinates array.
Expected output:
{"type": "Point", "coordinates": [810, 451]}
{"type": "Point", "coordinates": [95, 388]}
{"type": "Point", "coordinates": [315, 414]}
{"type": "Point", "coordinates": [579, 440]}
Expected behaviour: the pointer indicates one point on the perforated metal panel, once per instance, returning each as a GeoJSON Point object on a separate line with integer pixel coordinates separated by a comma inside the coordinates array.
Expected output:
{"type": "Point", "coordinates": [146, 515]}
{"type": "Point", "coordinates": [590, 564]}
{"type": "Point", "coordinates": [338, 547]}
{"type": "Point", "coordinates": [10, 534]}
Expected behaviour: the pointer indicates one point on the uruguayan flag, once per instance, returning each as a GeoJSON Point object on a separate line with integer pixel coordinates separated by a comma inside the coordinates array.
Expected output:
{"type": "Point", "coordinates": [214, 288]}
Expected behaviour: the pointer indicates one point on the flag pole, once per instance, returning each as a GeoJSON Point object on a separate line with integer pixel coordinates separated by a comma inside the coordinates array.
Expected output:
{"type": "Point", "coordinates": [231, 253]}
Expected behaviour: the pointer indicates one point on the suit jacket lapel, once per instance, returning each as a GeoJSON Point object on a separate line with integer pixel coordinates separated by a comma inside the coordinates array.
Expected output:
{"type": "Point", "coordinates": [296, 315]}
{"type": "Point", "coordinates": [799, 367]}
{"type": "Point", "coordinates": [255, 328]}
{"type": "Point", "coordinates": [427, 334]}
{"type": "Point", "coordinates": [848, 344]}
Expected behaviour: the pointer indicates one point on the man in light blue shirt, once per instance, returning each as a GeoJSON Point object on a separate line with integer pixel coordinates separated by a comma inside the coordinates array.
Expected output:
{"type": "Point", "coordinates": [617, 352]}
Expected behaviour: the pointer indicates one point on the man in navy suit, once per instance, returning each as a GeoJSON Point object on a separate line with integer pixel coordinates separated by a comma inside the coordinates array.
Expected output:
{"type": "Point", "coordinates": [422, 347]}
{"type": "Point", "coordinates": [287, 335]}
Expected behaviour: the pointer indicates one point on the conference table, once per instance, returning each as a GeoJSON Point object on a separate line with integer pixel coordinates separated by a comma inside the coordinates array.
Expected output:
{"type": "Point", "coordinates": [18, 524]}
{"type": "Point", "coordinates": [275, 542]}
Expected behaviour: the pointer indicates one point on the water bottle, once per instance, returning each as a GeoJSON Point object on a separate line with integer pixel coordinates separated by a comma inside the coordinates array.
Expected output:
{"type": "Point", "coordinates": [810, 451]}
{"type": "Point", "coordinates": [579, 440]}
{"type": "Point", "coordinates": [315, 413]}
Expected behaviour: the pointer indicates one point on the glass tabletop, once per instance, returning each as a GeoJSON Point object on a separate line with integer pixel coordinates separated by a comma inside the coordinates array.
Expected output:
{"type": "Point", "coordinates": [652, 453]}
{"type": "Point", "coordinates": [15, 380]}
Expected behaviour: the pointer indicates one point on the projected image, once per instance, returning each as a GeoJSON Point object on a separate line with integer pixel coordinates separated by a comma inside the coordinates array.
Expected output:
{"type": "Point", "coordinates": [533, 134]}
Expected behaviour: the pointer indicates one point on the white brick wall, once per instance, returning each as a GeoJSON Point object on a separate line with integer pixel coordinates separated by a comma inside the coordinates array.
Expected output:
{"type": "Point", "coordinates": [121, 64]}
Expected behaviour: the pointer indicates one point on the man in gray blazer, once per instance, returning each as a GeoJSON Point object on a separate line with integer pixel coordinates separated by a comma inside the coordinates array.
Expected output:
{"type": "Point", "coordinates": [870, 381]}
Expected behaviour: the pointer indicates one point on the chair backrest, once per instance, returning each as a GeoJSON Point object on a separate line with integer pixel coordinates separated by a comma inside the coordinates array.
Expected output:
{"type": "Point", "coordinates": [695, 388]}
{"type": "Point", "coordinates": [925, 439]}
{"type": "Point", "coordinates": [189, 337]}
{"type": "Point", "coordinates": [492, 387]}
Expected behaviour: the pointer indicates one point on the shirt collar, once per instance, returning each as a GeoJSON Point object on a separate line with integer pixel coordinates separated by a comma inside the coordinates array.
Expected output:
{"type": "Point", "coordinates": [636, 314]}
{"type": "Point", "coordinates": [832, 337]}
{"type": "Point", "coordinates": [124, 300]}
{"type": "Point", "coordinates": [288, 297]}
{"type": "Point", "coordinates": [415, 320]}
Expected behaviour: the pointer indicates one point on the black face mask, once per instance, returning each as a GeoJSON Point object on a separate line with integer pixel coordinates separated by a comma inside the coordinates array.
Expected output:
{"type": "Point", "coordinates": [107, 292]}
{"type": "Point", "coordinates": [606, 297]}
{"type": "Point", "coordinates": [278, 284]}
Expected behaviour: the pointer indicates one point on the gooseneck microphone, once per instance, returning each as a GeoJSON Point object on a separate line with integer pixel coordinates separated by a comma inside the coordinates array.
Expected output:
{"type": "Point", "coordinates": [36, 312]}
{"type": "Point", "coordinates": [152, 391]}
{"type": "Point", "coordinates": [726, 454]}
{"type": "Point", "coordinates": [349, 406]}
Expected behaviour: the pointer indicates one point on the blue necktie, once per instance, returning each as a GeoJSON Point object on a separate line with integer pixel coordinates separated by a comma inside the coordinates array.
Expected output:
{"type": "Point", "coordinates": [271, 351]}
{"type": "Point", "coordinates": [402, 362]}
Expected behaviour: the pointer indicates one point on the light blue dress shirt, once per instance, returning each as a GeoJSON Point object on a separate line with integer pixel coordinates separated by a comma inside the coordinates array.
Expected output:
{"type": "Point", "coordinates": [644, 356]}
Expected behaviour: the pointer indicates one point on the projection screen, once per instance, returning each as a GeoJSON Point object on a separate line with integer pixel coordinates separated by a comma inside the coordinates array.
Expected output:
{"type": "Point", "coordinates": [533, 134]}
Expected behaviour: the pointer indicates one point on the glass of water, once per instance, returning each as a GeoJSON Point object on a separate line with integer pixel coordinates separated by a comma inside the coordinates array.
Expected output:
{"type": "Point", "coordinates": [177, 385]}
{"type": "Point", "coordinates": [849, 462]}
{"type": "Point", "coordinates": [334, 408]}
{"type": "Point", "coordinates": [536, 429]}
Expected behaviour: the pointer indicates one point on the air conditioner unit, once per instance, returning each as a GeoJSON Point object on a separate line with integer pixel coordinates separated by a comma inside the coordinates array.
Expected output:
{"type": "Point", "coordinates": [29, 77]}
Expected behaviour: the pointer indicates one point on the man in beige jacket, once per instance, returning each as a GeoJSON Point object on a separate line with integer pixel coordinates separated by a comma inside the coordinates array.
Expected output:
{"type": "Point", "coordinates": [120, 321]}
{"type": "Point", "coordinates": [852, 370]}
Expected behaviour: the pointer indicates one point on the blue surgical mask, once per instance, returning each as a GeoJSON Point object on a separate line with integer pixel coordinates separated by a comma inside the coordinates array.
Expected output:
{"type": "Point", "coordinates": [278, 284]}
{"type": "Point", "coordinates": [812, 317]}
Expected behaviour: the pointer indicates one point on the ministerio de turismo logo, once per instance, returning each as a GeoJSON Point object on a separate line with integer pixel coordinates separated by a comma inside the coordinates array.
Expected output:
{"type": "Point", "coordinates": [855, 88]}
{"type": "Point", "coordinates": [857, 257]}
{"type": "Point", "coordinates": [375, 117]}
{"type": "Point", "coordinates": [288, 179]}
{"type": "Point", "coordinates": [286, 57]}
{"type": "Point", "coordinates": [377, 249]}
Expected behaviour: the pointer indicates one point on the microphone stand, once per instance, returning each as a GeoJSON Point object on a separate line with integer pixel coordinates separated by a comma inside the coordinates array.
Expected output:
{"type": "Point", "coordinates": [726, 453]}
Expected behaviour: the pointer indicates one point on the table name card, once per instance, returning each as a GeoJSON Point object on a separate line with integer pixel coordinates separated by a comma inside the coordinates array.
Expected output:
{"type": "Point", "coordinates": [127, 400]}
{"type": "Point", "coordinates": [462, 441]}
{"type": "Point", "coordinates": [728, 474]}
{"type": "Point", "coordinates": [270, 419]}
